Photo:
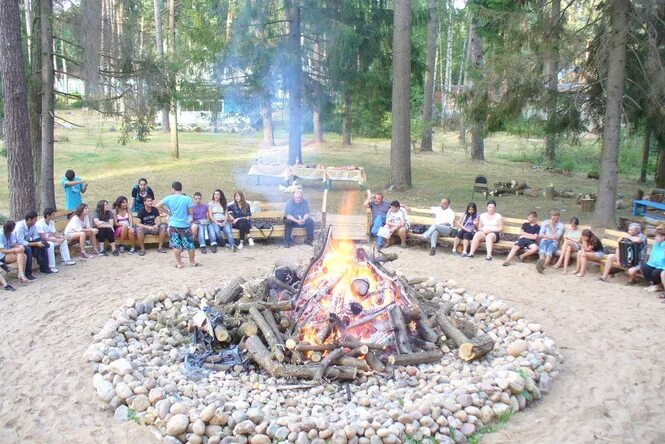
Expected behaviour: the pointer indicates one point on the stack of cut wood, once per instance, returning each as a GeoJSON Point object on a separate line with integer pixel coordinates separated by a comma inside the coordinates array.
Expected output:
{"type": "Point", "coordinates": [512, 187]}
{"type": "Point", "coordinates": [262, 316]}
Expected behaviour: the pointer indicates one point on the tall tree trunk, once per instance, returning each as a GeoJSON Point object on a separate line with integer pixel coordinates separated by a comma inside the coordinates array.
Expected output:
{"type": "Point", "coordinates": [551, 70]}
{"type": "Point", "coordinates": [400, 146]}
{"type": "Point", "coordinates": [47, 190]}
{"type": "Point", "coordinates": [15, 99]}
{"type": "Point", "coordinates": [645, 153]}
{"type": "Point", "coordinates": [175, 148]}
{"type": "Point", "coordinates": [266, 117]}
{"type": "Point", "coordinates": [660, 168]}
{"type": "Point", "coordinates": [609, 160]}
{"type": "Point", "coordinates": [346, 117]}
{"type": "Point", "coordinates": [35, 93]}
{"type": "Point", "coordinates": [28, 27]}
{"type": "Point", "coordinates": [462, 80]}
{"type": "Point", "coordinates": [428, 99]}
{"type": "Point", "coordinates": [90, 27]}
{"type": "Point", "coordinates": [477, 125]}
{"type": "Point", "coordinates": [317, 126]}
{"type": "Point", "coordinates": [159, 45]}
{"type": "Point", "coordinates": [294, 79]}
{"type": "Point", "coordinates": [447, 80]}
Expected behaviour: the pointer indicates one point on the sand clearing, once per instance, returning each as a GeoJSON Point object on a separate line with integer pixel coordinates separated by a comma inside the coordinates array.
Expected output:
{"type": "Point", "coordinates": [611, 335]}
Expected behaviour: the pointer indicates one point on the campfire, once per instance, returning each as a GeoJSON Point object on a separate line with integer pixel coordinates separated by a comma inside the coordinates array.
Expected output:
{"type": "Point", "coordinates": [343, 316]}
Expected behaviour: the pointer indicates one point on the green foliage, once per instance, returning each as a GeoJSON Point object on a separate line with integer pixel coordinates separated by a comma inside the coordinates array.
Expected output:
{"type": "Point", "coordinates": [3, 219]}
{"type": "Point", "coordinates": [500, 422]}
{"type": "Point", "coordinates": [132, 415]}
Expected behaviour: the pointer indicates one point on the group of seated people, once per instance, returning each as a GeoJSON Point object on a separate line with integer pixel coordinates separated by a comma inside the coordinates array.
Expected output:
{"type": "Point", "coordinates": [112, 226]}
{"type": "Point", "coordinates": [547, 240]}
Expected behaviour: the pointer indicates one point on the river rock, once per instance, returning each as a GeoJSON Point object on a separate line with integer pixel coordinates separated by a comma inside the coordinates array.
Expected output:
{"type": "Point", "coordinates": [121, 413]}
{"type": "Point", "coordinates": [105, 389]}
{"type": "Point", "coordinates": [177, 424]}
{"type": "Point", "coordinates": [140, 403]}
{"type": "Point", "coordinates": [123, 391]}
{"type": "Point", "coordinates": [256, 415]}
{"type": "Point", "coordinates": [121, 367]}
{"type": "Point", "coordinates": [259, 439]}
{"type": "Point", "coordinates": [208, 412]}
{"type": "Point", "coordinates": [516, 348]}
{"type": "Point", "coordinates": [245, 427]}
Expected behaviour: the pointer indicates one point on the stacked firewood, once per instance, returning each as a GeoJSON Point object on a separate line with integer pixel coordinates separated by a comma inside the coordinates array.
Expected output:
{"type": "Point", "coordinates": [259, 316]}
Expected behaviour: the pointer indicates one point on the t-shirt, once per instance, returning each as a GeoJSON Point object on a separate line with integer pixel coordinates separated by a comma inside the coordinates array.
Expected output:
{"type": "Point", "coordinates": [380, 209]}
{"type": "Point", "coordinates": [138, 199]}
{"type": "Point", "coordinates": [44, 228]}
{"type": "Point", "coordinates": [238, 212]}
{"type": "Point", "coordinates": [7, 242]}
{"type": "Point", "coordinates": [574, 235]}
{"type": "Point", "coordinates": [200, 212]}
{"type": "Point", "coordinates": [468, 220]}
{"type": "Point", "coordinates": [148, 217]}
{"type": "Point", "coordinates": [548, 230]}
{"type": "Point", "coordinates": [178, 205]}
{"type": "Point", "coordinates": [657, 258]}
{"type": "Point", "coordinates": [442, 216]}
{"type": "Point", "coordinates": [490, 223]}
{"type": "Point", "coordinates": [218, 210]}
{"type": "Point", "coordinates": [73, 196]}
{"type": "Point", "coordinates": [530, 229]}
{"type": "Point", "coordinates": [297, 210]}
{"type": "Point", "coordinates": [396, 217]}
{"type": "Point", "coordinates": [106, 217]}
{"type": "Point", "coordinates": [76, 225]}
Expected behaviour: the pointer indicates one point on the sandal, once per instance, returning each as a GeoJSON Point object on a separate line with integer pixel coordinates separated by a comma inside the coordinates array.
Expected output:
{"type": "Point", "coordinates": [141, 253]}
{"type": "Point", "coordinates": [195, 264]}
{"type": "Point", "coordinates": [178, 265]}
{"type": "Point", "coordinates": [161, 250]}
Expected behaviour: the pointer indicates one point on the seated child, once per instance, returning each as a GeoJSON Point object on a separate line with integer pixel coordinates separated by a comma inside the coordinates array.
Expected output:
{"type": "Point", "coordinates": [527, 240]}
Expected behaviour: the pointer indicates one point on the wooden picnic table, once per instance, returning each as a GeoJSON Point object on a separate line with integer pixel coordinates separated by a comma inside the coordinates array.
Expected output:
{"type": "Point", "coordinates": [321, 173]}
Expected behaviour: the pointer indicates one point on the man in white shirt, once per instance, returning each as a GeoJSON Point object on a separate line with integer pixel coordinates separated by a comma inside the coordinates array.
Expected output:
{"type": "Point", "coordinates": [444, 219]}
{"type": "Point", "coordinates": [48, 233]}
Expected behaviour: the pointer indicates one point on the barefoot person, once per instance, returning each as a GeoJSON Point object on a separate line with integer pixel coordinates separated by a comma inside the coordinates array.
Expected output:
{"type": "Point", "coordinates": [572, 239]}
{"type": "Point", "coordinates": [79, 229]}
{"type": "Point", "coordinates": [48, 233]}
{"type": "Point", "coordinates": [527, 240]}
{"type": "Point", "coordinates": [444, 218]}
{"type": "Point", "coordinates": [179, 207]}
{"type": "Point", "coordinates": [13, 252]}
{"type": "Point", "coordinates": [636, 236]}
{"type": "Point", "coordinates": [490, 226]}
{"type": "Point", "coordinates": [149, 224]}
{"type": "Point", "coordinates": [550, 233]}
{"type": "Point", "coordinates": [592, 251]}
{"type": "Point", "coordinates": [466, 228]}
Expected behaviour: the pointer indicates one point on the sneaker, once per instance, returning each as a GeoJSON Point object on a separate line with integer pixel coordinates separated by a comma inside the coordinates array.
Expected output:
{"type": "Point", "coordinates": [115, 253]}
{"type": "Point", "coordinates": [470, 256]}
{"type": "Point", "coordinates": [213, 248]}
{"type": "Point", "coordinates": [234, 248]}
{"type": "Point", "coordinates": [9, 287]}
{"type": "Point", "coordinates": [122, 248]}
{"type": "Point", "coordinates": [455, 253]}
{"type": "Point", "coordinates": [55, 270]}
{"type": "Point", "coordinates": [5, 267]}
{"type": "Point", "coordinates": [31, 278]}
{"type": "Point", "coordinates": [204, 250]}
{"type": "Point", "coordinates": [463, 254]}
{"type": "Point", "coordinates": [250, 241]}
{"type": "Point", "coordinates": [540, 265]}
{"type": "Point", "coordinates": [69, 262]}
{"type": "Point", "coordinates": [241, 245]}
{"type": "Point", "coordinates": [287, 245]}
{"type": "Point", "coordinates": [132, 250]}
{"type": "Point", "coordinates": [104, 253]}
{"type": "Point", "coordinates": [488, 258]}
{"type": "Point", "coordinates": [432, 251]}
{"type": "Point", "coordinates": [47, 271]}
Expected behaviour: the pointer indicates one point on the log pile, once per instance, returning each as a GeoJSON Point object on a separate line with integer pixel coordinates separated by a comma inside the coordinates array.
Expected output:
{"type": "Point", "coordinates": [324, 325]}
{"type": "Point", "coordinates": [512, 187]}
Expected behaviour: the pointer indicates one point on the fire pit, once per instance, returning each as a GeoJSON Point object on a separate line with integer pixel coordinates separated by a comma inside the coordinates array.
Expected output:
{"type": "Point", "coordinates": [421, 358]}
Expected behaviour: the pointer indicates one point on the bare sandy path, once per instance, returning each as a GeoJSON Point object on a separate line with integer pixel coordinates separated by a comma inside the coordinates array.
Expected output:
{"type": "Point", "coordinates": [611, 336]}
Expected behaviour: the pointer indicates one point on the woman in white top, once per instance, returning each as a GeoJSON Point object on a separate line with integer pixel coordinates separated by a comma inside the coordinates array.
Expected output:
{"type": "Point", "coordinates": [396, 222]}
{"type": "Point", "coordinates": [571, 244]}
{"type": "Point", "coordinates": [490, 226]}
{"type": "Point", "coordinates": [79, 229]}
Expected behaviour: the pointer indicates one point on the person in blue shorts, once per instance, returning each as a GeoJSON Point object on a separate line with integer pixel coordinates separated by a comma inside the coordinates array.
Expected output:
{"type": "Point", "coordinates": [550, 232]}
{"type": "Point", "coordinates": [180, 207]}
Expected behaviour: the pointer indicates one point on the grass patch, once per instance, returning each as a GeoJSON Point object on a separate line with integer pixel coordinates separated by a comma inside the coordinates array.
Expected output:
{"type": "Point", "coordinates": [501, 422]}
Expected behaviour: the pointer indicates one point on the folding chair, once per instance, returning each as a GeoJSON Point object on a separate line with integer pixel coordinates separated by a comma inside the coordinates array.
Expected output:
{"type": "Point", "coordinates": [480, 185]}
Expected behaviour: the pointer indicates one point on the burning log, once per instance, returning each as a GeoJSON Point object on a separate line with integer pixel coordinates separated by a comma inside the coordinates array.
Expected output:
{"type": "Point", "coordinates": [416, 358]}
{"type": "Point", "coordinates": [231, 292]}
{"type": "Point", "coordinates": [333, 356]}
{"type": "Point", "coordinates": [399, 329]}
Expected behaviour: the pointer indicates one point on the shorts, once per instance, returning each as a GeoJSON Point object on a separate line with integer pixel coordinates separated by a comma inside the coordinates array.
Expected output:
{"type": "Point", "coordinates": [496, 233]}
{"type": "Point", "coordinates": [181, 238]}
{"type": "Point", "coordinates": [599, 254]}
{"type": "Point", "coordinates": [152, 230]}
{"type": "Point", "coordinates": [652, 274]}
{"type": "Point", "coordinates": [467, 235]}
{"type": "Point", "coordinates": [548, 247]}
{"type": "Point", "coordinates": [523, 242]}
{"type": "Point", "coordinates": [118, 230]}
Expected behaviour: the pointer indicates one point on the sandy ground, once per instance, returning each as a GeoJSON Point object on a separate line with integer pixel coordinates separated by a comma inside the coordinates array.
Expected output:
{"type": "Point", "coordinates": [611, 336]}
